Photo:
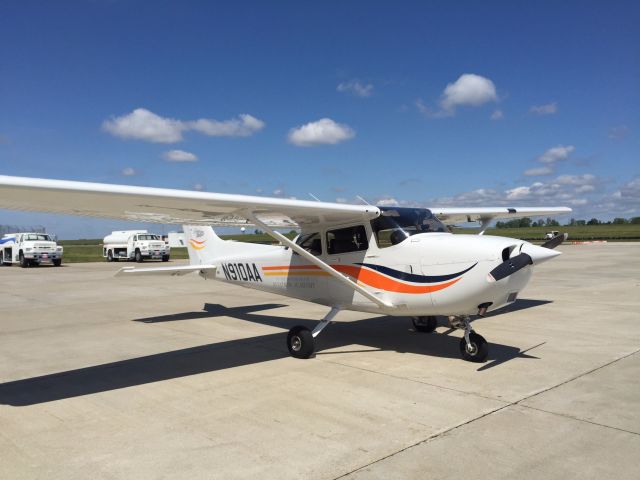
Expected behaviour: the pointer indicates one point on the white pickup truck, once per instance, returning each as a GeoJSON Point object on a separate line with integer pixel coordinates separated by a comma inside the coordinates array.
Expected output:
{"type": "Point", "coordinates": [135, 245]}
{"type": "Point", "coordinates": [27, 249]}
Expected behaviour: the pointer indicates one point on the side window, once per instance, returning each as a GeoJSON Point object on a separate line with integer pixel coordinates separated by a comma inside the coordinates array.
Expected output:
{"type": "Point", "coordinates": [311, 243]}
{"type": "Point", "coordinates": [344, 240]}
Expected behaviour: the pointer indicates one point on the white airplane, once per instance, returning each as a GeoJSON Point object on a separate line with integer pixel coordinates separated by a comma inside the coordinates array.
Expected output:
{"type": "Point", "coordinates": [384, 260]}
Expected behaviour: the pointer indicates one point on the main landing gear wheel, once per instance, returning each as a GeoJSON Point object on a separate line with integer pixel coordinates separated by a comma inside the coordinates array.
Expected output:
{"type": "Point", "coordinates": [476, 350]}
{"type": "Point", "coordinates": [424, 324]}
{"type": "Point", "coordinates": [300, 342]}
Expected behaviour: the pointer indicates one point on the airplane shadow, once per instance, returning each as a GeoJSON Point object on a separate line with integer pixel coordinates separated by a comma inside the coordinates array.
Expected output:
{"type": "Point", "coordinates": [376, 333]}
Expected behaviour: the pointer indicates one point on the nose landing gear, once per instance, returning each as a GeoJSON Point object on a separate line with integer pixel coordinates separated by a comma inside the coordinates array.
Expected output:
{"type": "Point", "coordinates": [473, 346]}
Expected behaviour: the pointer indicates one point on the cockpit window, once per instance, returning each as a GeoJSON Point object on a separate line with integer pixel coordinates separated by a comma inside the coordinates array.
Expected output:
{"type": "Point", "coordinates": [311, 242]}
{"type": "Point", "coordinates": [396, 224]}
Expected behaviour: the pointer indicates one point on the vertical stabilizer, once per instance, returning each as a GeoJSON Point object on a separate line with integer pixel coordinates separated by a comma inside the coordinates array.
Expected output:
{"type": "Point", "coordinates": [203, 244]}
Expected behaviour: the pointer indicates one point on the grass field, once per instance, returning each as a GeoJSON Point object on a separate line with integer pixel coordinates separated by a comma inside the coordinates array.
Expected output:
{"type": "Point", "coordinates": [91, 250]}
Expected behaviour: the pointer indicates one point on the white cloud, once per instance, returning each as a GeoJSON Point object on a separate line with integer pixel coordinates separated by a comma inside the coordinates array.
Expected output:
{"type": "Point", "coordinates": [199, 187]}
{"type": "Point", "coordinates": [129, 172]}
{"type": "Point", "coordinates": [546, 109]}
{"type": "Point", "coordinates": [581, 180]}
{"type": "Point", "coordinates": [549, 159]}
{"type": "Point", "coordinates": [539, 171]}
{"type": "Point", "coordinates": [387, 202]}
{"type": "Point", "coordinates": [497, 115]}
{"type": "Point", "coordinates": [570, 190]}
{"type": "Point", "coordinates": [142, 124]}
{"type": "Point", "coordinates": [555, 154]}
{"type": "Point", "coordinates": [243, 126]}
{"type": "Point", "coordinates": [179, 156]}
{"type": "Point", "coordinates": [469, 90]}
{"type": "Point", "coordinates": [322, 132]}
{"type": "Point", "coordinates": [356, 88]}
{"type": "Point", "coordinates": [619, 132]}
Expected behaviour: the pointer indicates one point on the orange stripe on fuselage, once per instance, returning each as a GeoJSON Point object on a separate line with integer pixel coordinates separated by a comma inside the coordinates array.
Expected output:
{"type": "Point", "coordinates": [363, 275]}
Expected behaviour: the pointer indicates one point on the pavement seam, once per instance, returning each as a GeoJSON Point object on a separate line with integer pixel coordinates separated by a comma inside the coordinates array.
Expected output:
{"type": "Point", "coordinates": [578, 376]}
{"type": "Point", "coordinates": [511, 404]}
{"type": "Point", "coordinates": [564, 415]}
{"type": "Point", "coordinates": [425, 440]}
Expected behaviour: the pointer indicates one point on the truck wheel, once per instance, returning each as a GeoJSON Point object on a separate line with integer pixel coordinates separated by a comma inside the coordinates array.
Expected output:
{"type": "Point", "coordinates": [24, 263]}
{"type": "Point", "coordinates": [57, 262]}
{"type": "Point", "coordinates": [138, 256]}
{"type": "Point", "coordinates": [109, 256]}
{"type": "Point", "coordinates": [165, 258]}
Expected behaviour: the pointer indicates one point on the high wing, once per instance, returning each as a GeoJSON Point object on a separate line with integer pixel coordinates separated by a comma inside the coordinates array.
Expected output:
{"type": "Point", "coordinates": [161, 205]}
{"type": "Point", "coordinates": [486, 214]}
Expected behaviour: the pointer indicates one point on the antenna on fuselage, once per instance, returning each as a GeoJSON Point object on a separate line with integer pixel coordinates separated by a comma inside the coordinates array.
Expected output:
{"type": "Point", "coordinates": [360, 198]}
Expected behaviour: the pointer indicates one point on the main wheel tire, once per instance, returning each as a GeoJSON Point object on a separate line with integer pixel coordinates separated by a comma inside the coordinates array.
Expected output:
{"type": "Point", "coordinates": [24, 263]}
{"type": "Point", "coordinates": [165, 258]}
{"type": "Point", "coordinates": [425, 324]}
{"type": "Point", "coordinates": [138, 256]}
{"type": "Point", "coordinates": [57, 262]}
{"type": "Point", "coordinates": [478, 349]}
{"type": "Point", "coordinates": [300, 342]}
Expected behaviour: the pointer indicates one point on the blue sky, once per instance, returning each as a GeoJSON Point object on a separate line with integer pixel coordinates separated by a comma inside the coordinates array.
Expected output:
{"type": "Point", "coordinates": [429, 103]}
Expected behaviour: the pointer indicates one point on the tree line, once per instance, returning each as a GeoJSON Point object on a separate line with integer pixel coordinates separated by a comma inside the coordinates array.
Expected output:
{"type": "Point", "coordinates": [550, 222]}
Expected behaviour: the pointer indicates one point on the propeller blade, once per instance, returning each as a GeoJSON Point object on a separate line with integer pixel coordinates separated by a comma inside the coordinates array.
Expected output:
{"type": "Point", "coordinates": [555, 241]}
{"type": "Point", "coordinates": [508, 267]}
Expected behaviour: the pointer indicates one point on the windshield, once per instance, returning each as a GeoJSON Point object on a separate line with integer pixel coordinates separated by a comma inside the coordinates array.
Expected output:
{"type": "Point", "coordinates": [148, 237]}
{"type": "Point", "coordinates": [36, 236]}
{"type": "Point", "coordinates": [398, 223]}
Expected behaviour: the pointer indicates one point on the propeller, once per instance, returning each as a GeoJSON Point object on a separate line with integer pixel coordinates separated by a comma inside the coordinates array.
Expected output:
{"type": "Point", "coordinates": [510, 266]}
{"type": "Point", "coordinates": [555, 241]}
{"type": "Point", "coordinates": [529, 255]}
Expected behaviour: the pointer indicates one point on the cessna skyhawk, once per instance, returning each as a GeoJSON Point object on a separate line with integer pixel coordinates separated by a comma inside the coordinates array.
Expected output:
{"type": "Point", "coordinates": [384, 260]}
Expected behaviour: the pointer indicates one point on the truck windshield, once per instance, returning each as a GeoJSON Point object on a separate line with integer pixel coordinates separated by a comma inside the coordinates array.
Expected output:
{"type": "Point", "coordinates": [396, 224]}
{"type": "Point", "coordinates": [148, 237]}
{"type": "Point", "coordinates": [36, 236]}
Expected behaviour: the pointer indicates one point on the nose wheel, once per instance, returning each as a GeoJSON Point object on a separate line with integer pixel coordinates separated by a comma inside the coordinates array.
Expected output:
{"type": "Point", "coordinates": [473, 346]}
{"type": "Point", "coordinates": [475, 349]}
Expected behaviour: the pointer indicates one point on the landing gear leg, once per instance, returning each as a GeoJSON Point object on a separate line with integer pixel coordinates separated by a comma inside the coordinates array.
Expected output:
{"type": "Point", "coordinates": [300, 340]}
{"type": "Point", "coordinates": [473, 347]}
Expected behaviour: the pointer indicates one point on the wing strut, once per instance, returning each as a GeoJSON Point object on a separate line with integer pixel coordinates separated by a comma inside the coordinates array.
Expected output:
{"type": "Point", "coordinates": [322, 265]}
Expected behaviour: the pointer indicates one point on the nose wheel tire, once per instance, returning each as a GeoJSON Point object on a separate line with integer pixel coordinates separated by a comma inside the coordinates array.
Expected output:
{"type": "Point", "coordinates": [477, 349]}
{"type": "Point", "coordinates": [300, 342]}
{"type": "Point", "coordinates": [425, 324]}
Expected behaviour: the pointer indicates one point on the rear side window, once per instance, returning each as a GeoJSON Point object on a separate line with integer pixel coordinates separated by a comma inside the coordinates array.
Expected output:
{"type": "Point", "coordinates": [344, 240]}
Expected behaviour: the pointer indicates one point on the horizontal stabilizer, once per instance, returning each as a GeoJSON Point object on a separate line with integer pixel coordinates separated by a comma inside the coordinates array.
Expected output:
{"type": "Point", "coordinates": [171, 271]}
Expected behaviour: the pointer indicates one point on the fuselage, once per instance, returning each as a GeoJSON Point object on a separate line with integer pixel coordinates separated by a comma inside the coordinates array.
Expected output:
{"type": "Point", "coordinates": [434, 273]}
